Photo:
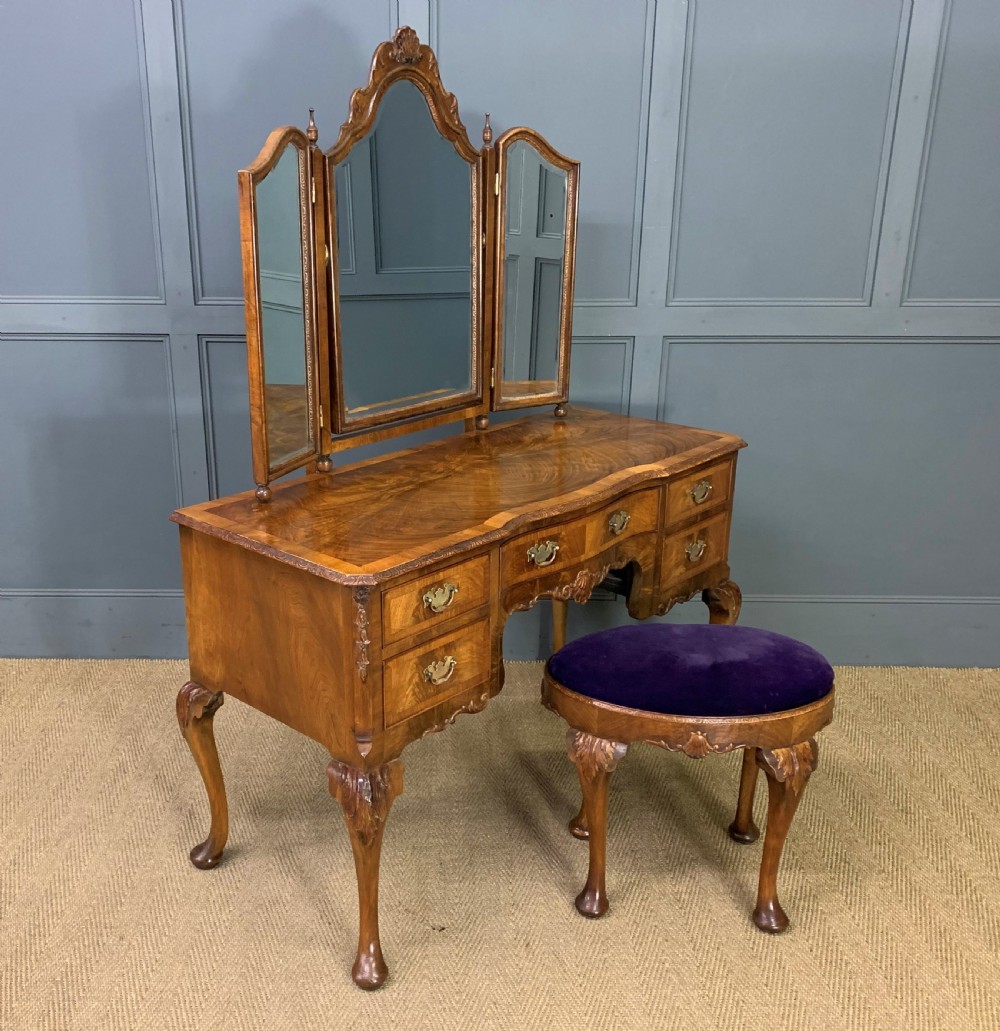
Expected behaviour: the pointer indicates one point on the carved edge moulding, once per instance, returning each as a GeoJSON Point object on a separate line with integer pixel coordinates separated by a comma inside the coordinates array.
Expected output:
{"type": "Point", "coordinates": [560, 391]}
{"type": "Point", "coordinates": [329, 428]}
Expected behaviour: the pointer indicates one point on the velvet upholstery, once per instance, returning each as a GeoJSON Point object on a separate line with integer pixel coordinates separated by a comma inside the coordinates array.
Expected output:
{"type": "Point", "coordinates": [697, 670]}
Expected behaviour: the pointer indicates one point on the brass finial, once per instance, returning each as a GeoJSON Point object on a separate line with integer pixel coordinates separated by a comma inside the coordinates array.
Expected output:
{"type": "Point", "coordinates": [487, 130]}
{"type": "Point", "coordinates": [312, 133]}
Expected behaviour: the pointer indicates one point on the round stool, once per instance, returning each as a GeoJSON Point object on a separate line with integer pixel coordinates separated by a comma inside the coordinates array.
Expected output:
{"type": "Point", "coordinates": [696, 690]}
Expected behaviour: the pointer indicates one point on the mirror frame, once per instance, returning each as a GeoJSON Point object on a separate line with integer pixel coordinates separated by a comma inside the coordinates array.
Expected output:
{"type": "Point", "coordinates": [500, 402]}
{"type": "Point", "coordinates": [275, 147]}
{"type": "Point", "coordinates": [405, 57]}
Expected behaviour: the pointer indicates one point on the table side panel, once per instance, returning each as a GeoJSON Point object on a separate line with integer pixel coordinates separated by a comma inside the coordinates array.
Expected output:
{"type": "Point", "coordinates": [279, 639]}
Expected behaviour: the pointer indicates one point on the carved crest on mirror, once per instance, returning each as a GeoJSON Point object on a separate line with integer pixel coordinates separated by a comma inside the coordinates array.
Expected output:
{"type": "Point", "coordinates": [403, 278]}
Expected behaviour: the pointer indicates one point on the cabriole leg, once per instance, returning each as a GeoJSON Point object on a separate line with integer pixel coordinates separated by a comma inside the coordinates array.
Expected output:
{"type": "Point", "coordinates": [196, 707]}
{"type": "Point", "coordinates": [787, 771]}
{"type": "Point", "coordinates": [365, 797]}
{"type": "Point", "coordinates": [595, 759]}
{"type": "Point", "coordinates": [724, 602]}
{"type": "Point", "coordinates": [560, 610]}
{"type": "Point", "coordinates": [743, 829]}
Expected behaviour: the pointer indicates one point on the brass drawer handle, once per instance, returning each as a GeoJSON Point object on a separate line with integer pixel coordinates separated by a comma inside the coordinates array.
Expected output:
{"type": "Point", "coordinates": [701, 492]}
{"type": "Point", "coordinates": [437, 599]}
{"type": "Point", "coordinates": [440, 671]}
{"type": "Point", "coordinates": [617, 521]}
{"type": "Point", "coordinates": [543, 553]}
{"type": "Point", "coordinates": [695, 550]}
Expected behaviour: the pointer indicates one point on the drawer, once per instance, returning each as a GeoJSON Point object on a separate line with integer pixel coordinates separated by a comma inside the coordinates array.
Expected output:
{"type": "Point", "coordinates": [435, 598]}
{"type": "Point", "coordinates": [445, 666]}
{"type": "Point", "coordinates": [566, 545]}
{"type": "Point", "coordinates": [701, 489]}
{"type": "Point", "coordinates": [696, 548]}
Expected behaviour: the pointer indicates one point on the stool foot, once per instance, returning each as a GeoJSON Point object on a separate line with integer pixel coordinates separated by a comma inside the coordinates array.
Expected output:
{"type": "Point", "coordinates": [592, 903]}
{"type": "Point", "coordinates": [578, 825]}
{"type": "Point", "coordinates": [743, 837]}
{"type": "Point", "coordinates": [595, 759]}
{"type": "Point", "coordinates": [770, 917]}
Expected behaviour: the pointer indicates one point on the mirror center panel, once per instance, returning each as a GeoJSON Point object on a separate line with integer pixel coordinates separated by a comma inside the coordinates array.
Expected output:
{"type": "Point", "coordinates": [404, 207]}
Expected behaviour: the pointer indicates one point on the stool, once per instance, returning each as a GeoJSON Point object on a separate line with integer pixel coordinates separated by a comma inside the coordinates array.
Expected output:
{"type": "Point", "coordinates": [696, 690]}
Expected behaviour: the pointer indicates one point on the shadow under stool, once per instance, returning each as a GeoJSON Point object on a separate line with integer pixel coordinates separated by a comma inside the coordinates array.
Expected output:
{"type": "Point", "coordinates": [697, 690]}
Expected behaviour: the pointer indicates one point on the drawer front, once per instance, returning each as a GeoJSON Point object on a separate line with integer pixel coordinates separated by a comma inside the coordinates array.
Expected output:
{"type": "Point", "coordinates": [447, 665]}
{"type": "Point", "coordinates": [702, 489]}
{"type": "Point", "coordinates": [435, 598]}
{"type": "Point", "coordinates": [635, 513]}
{"type": "Point", "coordinates": [566, 545]}
{"type": "Point", "coordinates": [696, 548]}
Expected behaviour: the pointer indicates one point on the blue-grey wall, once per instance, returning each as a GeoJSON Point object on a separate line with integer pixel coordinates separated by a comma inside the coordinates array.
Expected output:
{"type": "Point", "coordinates": [789, 228]}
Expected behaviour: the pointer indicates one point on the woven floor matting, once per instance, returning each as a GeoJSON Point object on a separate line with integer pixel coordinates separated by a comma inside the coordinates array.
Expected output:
{"type": "Point", "coordinates": [891, 875]}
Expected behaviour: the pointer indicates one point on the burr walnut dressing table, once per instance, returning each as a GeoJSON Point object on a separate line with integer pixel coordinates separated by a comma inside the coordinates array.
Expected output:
{"type": "Point", "coordinates": [399, 280]}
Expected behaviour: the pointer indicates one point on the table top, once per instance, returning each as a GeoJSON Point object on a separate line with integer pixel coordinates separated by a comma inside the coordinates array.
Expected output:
{"type": "Point", "coordinates": [376, 519]}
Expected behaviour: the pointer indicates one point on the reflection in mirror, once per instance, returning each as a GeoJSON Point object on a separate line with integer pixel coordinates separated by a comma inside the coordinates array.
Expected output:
{"type": "Point", "coordinates": [282, 314]}
{"type": "Point", "coordinates": [404, 211]}
{"type": "Point", "coordinates": [534, 249]}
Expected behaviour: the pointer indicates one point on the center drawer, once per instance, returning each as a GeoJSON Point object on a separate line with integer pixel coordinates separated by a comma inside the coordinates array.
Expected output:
{"type": "Point", "coordinates": [562, 546]}
{"type": "Point", "coordinates": [445, 666]}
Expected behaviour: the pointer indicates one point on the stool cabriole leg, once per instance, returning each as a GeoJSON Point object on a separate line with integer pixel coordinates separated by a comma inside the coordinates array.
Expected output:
{"type": "Point", "coordinates": [595, 759]}
{"type": "Point", "coordinates": [743, 829]}
{"type": "Point", "coordinates": [787, 771]}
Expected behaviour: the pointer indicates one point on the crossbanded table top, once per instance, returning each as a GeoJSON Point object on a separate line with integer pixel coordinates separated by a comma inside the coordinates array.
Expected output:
{"type": "Point", "coordinates": [366, 522]}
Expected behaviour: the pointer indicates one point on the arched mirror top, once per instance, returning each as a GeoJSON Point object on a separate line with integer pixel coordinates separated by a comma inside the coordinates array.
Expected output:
{"type": "Point", "coordinates": [273, 150]}
{"type": "Point", "coordinates": [403, 57]}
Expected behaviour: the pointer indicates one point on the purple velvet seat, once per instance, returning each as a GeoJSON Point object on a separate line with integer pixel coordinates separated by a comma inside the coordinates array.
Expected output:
{"type": "Point", "coordinates": [695, 670]}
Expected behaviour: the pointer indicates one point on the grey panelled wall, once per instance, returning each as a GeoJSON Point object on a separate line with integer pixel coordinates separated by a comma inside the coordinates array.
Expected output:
{"type": "Point", "coordinates": [789, 226]}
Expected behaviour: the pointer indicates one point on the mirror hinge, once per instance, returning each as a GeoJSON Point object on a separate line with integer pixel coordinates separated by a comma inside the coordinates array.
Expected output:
{"type": "Point", "coordinates": [321, 417]}
{"type": "Point", "coordinates": [496, 185]}
{"type": "Point", "coordinates": [493, 378]}
{"type": "Point", "coordinates": [314, 191]}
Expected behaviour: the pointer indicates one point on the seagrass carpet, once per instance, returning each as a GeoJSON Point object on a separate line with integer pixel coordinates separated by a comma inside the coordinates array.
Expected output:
{"type": "Point", "coordinates": [891, 875]}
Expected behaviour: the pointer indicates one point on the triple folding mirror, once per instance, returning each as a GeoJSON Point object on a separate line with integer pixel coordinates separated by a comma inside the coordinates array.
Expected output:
{"type": "Point", "coordinates": [402, 278]}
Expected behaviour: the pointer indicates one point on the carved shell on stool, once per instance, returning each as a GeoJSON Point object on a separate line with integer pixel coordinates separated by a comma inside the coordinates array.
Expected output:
{"type": "Point", "coordinates": [696, 745]}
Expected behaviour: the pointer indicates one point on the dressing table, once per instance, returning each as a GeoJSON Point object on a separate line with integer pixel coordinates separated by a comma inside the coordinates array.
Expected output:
{"type": "Point", "coordinates": [405, 279]}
